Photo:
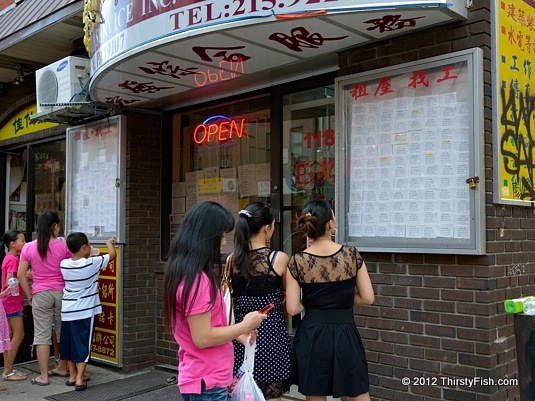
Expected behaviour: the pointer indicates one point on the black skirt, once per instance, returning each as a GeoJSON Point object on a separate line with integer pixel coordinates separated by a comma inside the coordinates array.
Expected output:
{"type": "Point", "coordinates": [328, 355]}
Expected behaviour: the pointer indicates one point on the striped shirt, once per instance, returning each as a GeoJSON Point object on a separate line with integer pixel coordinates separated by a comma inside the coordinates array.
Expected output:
{"type": "Point", "coordinates": [80, 295]}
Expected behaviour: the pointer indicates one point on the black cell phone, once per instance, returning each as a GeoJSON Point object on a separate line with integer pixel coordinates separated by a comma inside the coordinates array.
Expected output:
{"type": "Point", "coordinates": [266, 309]}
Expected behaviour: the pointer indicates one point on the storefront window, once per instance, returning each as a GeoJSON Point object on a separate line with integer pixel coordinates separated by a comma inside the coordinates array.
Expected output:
{"type": "Point", "coordinates": [49, 172]}
{"type": "Point", "coordinates": [221, 154]}
{"type": "Point", "coordinates": [308, 155]}
{"type": "Point", "coordinates": [17, 189]}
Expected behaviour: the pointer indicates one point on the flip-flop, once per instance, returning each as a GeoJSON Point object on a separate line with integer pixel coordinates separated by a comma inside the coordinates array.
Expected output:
{"type": "Point", "coordinates": [34, 381]}
{"type": "Point", "coordinates": [81, 388]}
{"type": "Point", "coordinates": [72, 384]}
{"type": "Point", "coordinates": [13, 377]}
{"type": "Point", "coordinates": [52, 373]}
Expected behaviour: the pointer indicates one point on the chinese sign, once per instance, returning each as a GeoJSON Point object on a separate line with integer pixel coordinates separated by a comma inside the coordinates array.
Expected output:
{"type": "Point", "coordinates": [189, 45]}
{"type": "Point", "coordinates": [514, 143]}
{"type": "Point", "coordinates": [106, 344]}
{"type": "Point", "coordinates": [21, 124]}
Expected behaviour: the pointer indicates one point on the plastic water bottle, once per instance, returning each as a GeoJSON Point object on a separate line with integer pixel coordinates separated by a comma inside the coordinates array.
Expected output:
{"type": "Point", "coordinates": [515, 305]}
{"type": "Point", "coordinates": [14, 284]}
{"type": "Point", "coordinates": [529, 306]}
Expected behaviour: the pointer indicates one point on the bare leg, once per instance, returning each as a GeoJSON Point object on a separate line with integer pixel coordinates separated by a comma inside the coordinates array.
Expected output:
{"type": "Point", "coordinates": [16, 331]}
{"type": "Point", "coordinates": [43, 356]}
{"type": "Point", "coordinates": [72, 371]}
{"type": "Point", "coordinates": [56, 349]}
{"type": "Point", "coordinates": [80, 367]}
{"type": "Point", "coordinates": [315, 398]}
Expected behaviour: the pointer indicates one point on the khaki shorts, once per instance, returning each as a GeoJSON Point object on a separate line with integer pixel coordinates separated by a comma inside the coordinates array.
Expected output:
{"type": "Point", "coordinates": [46, 308]}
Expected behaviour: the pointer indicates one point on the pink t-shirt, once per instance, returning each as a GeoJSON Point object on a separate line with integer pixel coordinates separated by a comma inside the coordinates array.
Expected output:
{"type": "Point", "coordinates": [46, 272]}
{"type": "Point", "coordinates": [213, 364]}
{"type": "Point", "coordinates": [12, 304]}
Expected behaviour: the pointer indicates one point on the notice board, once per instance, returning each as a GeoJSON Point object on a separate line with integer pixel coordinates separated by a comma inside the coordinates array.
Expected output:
{"type": "Point", "coordinates": [95, 179]}
{"type": "Point", "coordinates": [410, 156]}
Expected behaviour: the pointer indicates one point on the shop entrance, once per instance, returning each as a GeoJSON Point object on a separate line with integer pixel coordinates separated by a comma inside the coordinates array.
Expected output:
{"type": "Point", "coordinates": [35, 175]}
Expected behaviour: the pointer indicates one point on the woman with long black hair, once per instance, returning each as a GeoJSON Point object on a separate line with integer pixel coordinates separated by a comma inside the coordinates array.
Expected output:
{"type": "Point", "coordinates": [194, 307]}
{"type": "Point", "coordinates": [258, 279]}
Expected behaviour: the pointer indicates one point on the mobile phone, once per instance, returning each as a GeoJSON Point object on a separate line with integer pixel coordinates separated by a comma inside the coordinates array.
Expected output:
{"type": "Point", "coordinates": [266, 308]}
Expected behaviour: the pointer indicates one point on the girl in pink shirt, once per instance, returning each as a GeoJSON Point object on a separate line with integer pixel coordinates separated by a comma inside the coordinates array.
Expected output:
{"type": "Point", "coordinates": [13, 240]}
{"type": "Point", "coordinates": [194, 308]}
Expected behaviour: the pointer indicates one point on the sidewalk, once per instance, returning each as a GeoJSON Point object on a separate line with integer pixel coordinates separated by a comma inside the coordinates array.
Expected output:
{"type": "Point", "coordinates": [106, 384]}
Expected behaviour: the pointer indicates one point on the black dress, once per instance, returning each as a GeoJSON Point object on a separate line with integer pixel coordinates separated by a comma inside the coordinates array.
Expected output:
{"type": "Point", "coordinates": [273, 352]}
{"type": "Point", "coordinates": [328, 354]}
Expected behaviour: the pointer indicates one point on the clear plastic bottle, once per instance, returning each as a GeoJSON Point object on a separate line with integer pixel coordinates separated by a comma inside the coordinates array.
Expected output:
{"type": "Point", "coordinates": [529, 306]}
{"type": "Point", "coordinates": [14, 284]}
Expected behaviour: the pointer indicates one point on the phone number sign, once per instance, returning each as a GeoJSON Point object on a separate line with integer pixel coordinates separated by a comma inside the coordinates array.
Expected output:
{"type": "Point", "coordinates": [106, 343]}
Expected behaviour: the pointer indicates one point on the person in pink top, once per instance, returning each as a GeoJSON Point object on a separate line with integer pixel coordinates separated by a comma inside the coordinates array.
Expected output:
{"type": "Point", "coordinates": [44, 256]}
{"type": "Point", "coordinates": [13, 240]}
{"type": "Point", "coordinates": [194, 307]}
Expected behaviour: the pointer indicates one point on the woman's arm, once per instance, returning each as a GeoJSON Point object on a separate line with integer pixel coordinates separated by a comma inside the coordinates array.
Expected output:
{"type": "Point", "coordinates": [294, 305]}
{"type": "Point", "coordinates": [23, 281]}
{"type": "Point", "coordinates": [204, 335]}
{"type": "Point", "coordinates": [364, 294]}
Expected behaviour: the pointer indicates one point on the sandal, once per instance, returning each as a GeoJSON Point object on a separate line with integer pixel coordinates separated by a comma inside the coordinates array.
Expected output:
{"type": "Point", "coordinates": [13, 377]}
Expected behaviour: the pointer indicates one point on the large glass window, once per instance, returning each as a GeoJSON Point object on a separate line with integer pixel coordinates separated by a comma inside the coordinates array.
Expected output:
{"type": "Point", "coordinates": [221, 154]}
{"type": "Point", "coordinates": [35, 184]}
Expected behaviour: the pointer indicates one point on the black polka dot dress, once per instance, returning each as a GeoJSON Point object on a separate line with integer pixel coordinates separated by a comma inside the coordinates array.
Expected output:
{"type": "Point", "coordinates": [273, 350]}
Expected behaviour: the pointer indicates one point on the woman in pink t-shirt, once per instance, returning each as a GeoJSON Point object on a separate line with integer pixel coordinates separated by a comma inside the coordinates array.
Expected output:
{"type": "Point", "coordinates": [194, 307]}
{"type": "Point", "coordinates": [44, 256]}
{"type": "Point", "coordinates": [13, 240]}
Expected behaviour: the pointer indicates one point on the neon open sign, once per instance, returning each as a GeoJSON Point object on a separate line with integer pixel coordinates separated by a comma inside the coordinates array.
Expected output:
{"type": "Point", "coordinates": [219, 131]}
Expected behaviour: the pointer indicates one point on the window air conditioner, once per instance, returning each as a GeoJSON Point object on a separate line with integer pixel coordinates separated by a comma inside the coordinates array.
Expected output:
{"type": "Point", "coordinates": [61, 82]}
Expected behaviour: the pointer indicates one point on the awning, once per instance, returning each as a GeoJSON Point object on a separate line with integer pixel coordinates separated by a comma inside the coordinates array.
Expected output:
{"type": "Point", "coordinates": [163, 54]}
{"type": "Point", "coordinates": [35, 33]}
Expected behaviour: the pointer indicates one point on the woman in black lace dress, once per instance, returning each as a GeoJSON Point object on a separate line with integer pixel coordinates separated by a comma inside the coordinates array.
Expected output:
{"type": "Point", "coordinates": [258, 278]}
{"type": "Point", "coordinates": [328, 355]}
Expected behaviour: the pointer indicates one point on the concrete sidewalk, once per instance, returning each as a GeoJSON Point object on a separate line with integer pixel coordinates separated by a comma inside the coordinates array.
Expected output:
{"type": "Point", "coordinates": [106, 384]}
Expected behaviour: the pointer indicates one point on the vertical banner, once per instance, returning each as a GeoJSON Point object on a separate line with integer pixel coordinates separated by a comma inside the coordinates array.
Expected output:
{"type": "Point", "coordinates": [513, 102]}
{"type": "Point", "coordinates": [106, 344]}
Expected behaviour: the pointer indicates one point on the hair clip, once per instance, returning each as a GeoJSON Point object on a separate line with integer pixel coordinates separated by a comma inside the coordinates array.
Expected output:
{"type": "Point", "coordinates": [245, 213]}
{"type": "Point", "coordinates": [308, 214]}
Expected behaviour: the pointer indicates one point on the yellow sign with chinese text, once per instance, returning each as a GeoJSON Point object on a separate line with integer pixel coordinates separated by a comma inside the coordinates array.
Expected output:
{"type": "Point", "coordinates": [515, 123]}
{"type": "Point", "coordinates": [20, 124]}
{"type": "Point", "coordinates": [106, 342]}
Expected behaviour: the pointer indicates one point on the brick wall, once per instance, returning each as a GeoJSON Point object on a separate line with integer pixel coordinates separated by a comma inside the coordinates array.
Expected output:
{"type": "Point", "coordinates": [142, 249]}
{"type": "Point", "coordinates": [442, 315]}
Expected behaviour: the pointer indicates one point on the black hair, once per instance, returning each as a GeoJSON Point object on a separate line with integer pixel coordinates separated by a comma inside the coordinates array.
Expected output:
{"type": "Point", "coordinates": [45, 228]}
{"type": "Point", "coordinates": [196, 249]}
{"type": "Point", "coordinates": [248, 224]}
{"type": "Point", "coordinates": [8, 237]}
{"type": "Point", "coordinates": [314, 218]}
{"type": "Point", "coordinates": [75, 241]}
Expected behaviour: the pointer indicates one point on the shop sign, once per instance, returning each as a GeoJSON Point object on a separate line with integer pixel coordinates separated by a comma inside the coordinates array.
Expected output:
{"type": "Point", "coordinates": [21, 124]}
{"type": "Point", "coordinates": [106, 339]}
{"type": "Point", "coordinates": [218, 130]}
{"type": "Point", "coordinates": [514, 104]}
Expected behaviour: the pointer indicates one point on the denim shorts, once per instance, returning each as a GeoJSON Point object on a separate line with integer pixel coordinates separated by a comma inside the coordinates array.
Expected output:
{"type": "Point", "coordinates": [214, 394]}
{"type": "Point", "coordinates": [15, 314]}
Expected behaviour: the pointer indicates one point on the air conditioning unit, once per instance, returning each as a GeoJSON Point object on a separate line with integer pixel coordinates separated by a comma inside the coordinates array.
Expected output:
{"type": "Point", "coordinates": [61, 82]}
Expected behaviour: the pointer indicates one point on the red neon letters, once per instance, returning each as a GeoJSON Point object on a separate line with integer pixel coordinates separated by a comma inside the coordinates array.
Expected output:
{"type": "Point", "coordinates": [219, 132]}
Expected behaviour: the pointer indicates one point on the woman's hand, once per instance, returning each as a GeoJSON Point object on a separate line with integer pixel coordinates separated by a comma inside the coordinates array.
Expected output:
{"type": "Point", "coordinates": [243, 338]}
{"type": "Point", "coordinates": [253, 319]}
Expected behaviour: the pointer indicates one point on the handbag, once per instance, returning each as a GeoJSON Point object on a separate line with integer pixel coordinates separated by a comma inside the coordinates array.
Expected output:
{"type": "Point", "coordinates": [226, 289]}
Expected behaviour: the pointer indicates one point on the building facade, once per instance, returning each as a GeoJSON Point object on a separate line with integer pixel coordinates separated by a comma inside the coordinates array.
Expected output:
{"type": "Point", "coordinates": [235, 131]}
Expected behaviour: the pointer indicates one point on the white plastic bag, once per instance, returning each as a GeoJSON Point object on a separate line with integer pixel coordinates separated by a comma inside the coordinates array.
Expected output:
{"type": "Point", "coordinates": [243, 387]}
